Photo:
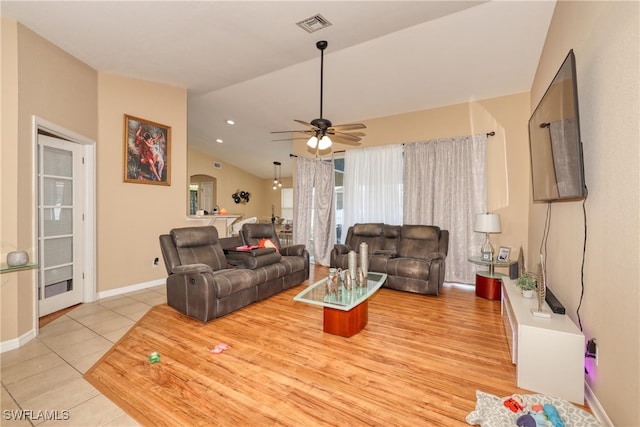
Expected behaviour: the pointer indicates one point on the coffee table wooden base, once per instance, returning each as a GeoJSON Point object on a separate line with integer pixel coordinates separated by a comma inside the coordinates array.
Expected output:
{"type": "Point", "coordinates": [346, 323]}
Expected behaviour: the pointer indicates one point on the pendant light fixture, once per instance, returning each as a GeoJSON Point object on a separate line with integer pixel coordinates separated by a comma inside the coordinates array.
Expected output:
{"type": "Point", "coordinates": [277, 175]}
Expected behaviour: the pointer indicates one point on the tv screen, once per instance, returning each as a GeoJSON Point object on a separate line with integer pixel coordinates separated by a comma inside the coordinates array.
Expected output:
{"type": "Point", "coordinates": [557, 168]}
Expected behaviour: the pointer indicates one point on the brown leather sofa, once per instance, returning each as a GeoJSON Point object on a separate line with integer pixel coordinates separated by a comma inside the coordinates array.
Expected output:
{"type": "Point", "coordinates": [412, 256]}
{"type": "Point", "coordinates": [208, 279]}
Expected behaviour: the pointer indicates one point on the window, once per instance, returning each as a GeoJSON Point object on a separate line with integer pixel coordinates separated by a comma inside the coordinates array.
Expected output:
{"type": "Point", "coordinates": [287, 204]}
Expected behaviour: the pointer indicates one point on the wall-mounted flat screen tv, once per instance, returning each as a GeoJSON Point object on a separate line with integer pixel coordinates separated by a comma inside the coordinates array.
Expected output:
{"type": "Point", "coordinates": [557, 166]}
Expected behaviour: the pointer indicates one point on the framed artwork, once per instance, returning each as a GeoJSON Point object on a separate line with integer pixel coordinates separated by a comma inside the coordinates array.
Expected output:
{"type": "Point", "coordinates": [147, 152]}
{"type": "Point", "coordinates": [503, 253]}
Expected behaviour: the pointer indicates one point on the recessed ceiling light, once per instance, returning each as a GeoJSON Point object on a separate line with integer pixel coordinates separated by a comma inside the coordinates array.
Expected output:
{"type": "Point", "coordinates": [230, 122]}
{"type": "Point", "coordinates": [219, 140]}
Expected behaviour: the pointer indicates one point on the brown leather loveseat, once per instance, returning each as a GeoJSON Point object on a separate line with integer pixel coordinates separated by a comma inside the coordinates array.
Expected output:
{"type": "Point", "coordinates": [412, 256]}
{"type": "Point", "coordinates": [209, 279]}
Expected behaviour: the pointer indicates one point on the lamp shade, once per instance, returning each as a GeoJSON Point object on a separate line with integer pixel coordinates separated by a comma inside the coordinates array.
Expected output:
{"type": "Point", "coordinates": [325, 142]}
{"type": "Point", "coordinates": [312, 142]}
{"type": "Point", "coordinates": [487, 223]}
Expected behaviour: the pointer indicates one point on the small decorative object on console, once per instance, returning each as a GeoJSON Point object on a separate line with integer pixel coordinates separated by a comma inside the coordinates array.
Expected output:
{"type": "Point", "coordinates": [527, 281]}
{"type": "Point", "coordinates": [17, 258]}
{"type": "Point", "coordinates": [521, 262]}
{"type": "Point", "coordinates": [542, 291]}
{"type": "Point", "coordinates": [503, 253]}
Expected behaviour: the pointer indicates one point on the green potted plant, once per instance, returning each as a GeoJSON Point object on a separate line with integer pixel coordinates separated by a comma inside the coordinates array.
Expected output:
{"type": "Point", "coordinates": [527, 284]}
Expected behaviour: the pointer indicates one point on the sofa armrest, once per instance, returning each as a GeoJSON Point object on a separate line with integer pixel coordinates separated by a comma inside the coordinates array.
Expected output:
{"type": "Point", "coordinates": [341, 249]}
{"type": "Point", "coordinates": [435, 255]}
{"type": "Point", "coordinates": [192, 268]}
{"type": "Point", "coordinates": [293, 250]}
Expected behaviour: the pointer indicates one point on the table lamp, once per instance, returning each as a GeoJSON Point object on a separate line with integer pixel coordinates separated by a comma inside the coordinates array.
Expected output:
{"type": "Point", "coordinates": [487, 223]}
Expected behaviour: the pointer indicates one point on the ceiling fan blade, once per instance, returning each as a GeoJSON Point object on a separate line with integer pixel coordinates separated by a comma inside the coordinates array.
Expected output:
{"type": "Point", "coordinates": [350, 126]}
{"type": "Point", "coordinates": [310, 132]}
{"type": "Point", "coordinates": [333, 132]}
{"type": "Point", "coordinates": [338, 140]}
{"type": "Point", "coordinates": [346, 136]}
{"type": "Point", "coordinates": [302, 122]}
{"type": "Point", "coordinates": [291, 139]}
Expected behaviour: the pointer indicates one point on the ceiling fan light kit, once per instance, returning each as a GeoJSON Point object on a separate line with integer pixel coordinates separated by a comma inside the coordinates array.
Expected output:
{"type": "Point", "coordinates": [325, 143]}
{"type": "Point", "coordinates": [320, 129]}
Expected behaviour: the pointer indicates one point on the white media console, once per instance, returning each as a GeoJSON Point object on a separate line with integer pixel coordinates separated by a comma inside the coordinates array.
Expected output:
{"type": "Point", "coordinates": [548, 352]}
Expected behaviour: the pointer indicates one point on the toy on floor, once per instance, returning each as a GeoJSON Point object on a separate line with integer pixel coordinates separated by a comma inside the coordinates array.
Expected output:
{"type": "Point", "coordinates": [552, 414]}
{"type": "Point", "coordinates": [219, 348]}
{"type": "Point", "coordinates": [526, 421]}
{"type": "Point", "coordinates": [154, 357]}
{"type": "Point", "coordinates": [514, 404]}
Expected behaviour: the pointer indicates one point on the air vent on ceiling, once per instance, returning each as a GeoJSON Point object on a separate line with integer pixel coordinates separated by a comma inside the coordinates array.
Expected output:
{"type": "Point", "coordinates": [314, 23]}
{"type": "Point", "coordinates": [217, 165]}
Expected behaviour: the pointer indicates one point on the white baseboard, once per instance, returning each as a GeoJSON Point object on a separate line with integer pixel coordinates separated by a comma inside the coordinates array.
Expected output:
{"type": "Point", "coordinates": [132, 288]}
{"type": "Point", "coordinates": [597, 409]}
{"type": "Point", "coordinates": [17, 342]}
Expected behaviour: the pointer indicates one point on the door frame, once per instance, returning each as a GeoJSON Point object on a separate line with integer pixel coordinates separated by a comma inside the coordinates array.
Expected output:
{"type": "Point", "coordinates": [89, 196]}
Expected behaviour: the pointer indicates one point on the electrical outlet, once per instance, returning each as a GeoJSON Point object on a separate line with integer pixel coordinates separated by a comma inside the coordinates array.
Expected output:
{"type": "Point", "coordinates": [592, 350]}
{"type": "Point", "coordinates": [155, 262]}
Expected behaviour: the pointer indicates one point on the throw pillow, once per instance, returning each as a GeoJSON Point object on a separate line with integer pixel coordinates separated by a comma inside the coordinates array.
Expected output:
{"type": "Point", "coordinates": [268, 243]}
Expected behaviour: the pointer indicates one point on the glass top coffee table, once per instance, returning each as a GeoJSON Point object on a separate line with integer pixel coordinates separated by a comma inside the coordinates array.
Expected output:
{"type": "Point", "coordinates": [346, 312]}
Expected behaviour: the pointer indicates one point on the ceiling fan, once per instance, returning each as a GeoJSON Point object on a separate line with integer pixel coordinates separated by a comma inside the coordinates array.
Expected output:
{"type": "Point", "coordinates": [321, 131]}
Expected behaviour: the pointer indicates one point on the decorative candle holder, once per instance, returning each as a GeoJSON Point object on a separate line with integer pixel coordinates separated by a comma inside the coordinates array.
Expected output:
{"type": "Point", "coordinates": [353, 263]}
{"type": "Point", "coordinates": [364, 258]}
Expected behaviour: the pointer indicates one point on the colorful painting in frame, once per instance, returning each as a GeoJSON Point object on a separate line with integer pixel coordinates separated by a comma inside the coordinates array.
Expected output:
{"type": "Point", "coordinates": [147, 152]}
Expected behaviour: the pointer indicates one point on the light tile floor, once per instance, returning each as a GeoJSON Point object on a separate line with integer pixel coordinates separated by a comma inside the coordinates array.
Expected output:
{"type": "Point", "coordinates": [42, 381]}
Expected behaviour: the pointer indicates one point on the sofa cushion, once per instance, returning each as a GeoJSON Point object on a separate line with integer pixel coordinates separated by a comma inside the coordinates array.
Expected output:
{"type": "Point", "coordinates": [292, 264]}
{"type": "Point", "coordinates": [418, 241]}
{"type": "Point", "coordinates": [414, 268]}
{"type": "Point", "coordinates": [371, 234]}
{"type": "Point", "coordinates": [230, 281]}
{"type": "Point", "coordinates": [199, 245]}
{"type": "Point", "coordinates": [252, 234]}
{"type": "Point", "coordinates": [391, 234]}
{"type": "Point", "coordinates": [368, 230]}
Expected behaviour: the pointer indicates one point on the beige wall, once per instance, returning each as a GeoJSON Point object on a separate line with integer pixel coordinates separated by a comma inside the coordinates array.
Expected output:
{"type": "Point", "coordinates": [44, 81]}
{"type": "Point", "coordinates": [132, 216]}
{"type": "Point", "coordinates": [11, 282]}
{"type": "Point", "coordinates": [604, 36]}
{"type": "Point", "coordinates": [507, 151]}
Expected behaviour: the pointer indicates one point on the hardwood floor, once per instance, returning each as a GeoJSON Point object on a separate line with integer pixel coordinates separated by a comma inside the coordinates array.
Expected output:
{"type": "Point", "coordinates": [419, 361]}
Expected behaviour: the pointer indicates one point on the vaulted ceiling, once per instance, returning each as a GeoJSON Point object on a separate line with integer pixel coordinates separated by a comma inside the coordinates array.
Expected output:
{"type": "Point", "coordinates": [248, 60]}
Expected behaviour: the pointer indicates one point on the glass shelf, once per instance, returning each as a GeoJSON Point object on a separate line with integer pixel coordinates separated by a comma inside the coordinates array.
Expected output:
{"type": "Point", "coordinates": [4, 268]}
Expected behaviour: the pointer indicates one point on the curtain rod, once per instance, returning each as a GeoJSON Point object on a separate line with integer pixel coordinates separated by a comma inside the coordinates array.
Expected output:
{"type": "Point", "coordinates": [492, 133]}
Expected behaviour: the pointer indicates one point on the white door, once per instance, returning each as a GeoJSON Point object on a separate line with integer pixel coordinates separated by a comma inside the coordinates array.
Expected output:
{"type": "Point", "coordinates": [206, 193]}
{"type": "Point", "coordinates": [60, 216]}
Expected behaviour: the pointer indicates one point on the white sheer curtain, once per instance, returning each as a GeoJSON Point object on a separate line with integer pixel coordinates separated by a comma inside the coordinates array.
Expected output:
{"type": "Point", "coordinates": [315, 205]}
{"type": "Point", "coordinates": [373, 185]}
{"type": "Point", "coordinates": [445, 185]}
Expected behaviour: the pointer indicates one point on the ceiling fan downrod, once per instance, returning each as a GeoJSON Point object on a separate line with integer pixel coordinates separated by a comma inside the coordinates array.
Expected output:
{"type": "Point", "coordinates": [321, 45]}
